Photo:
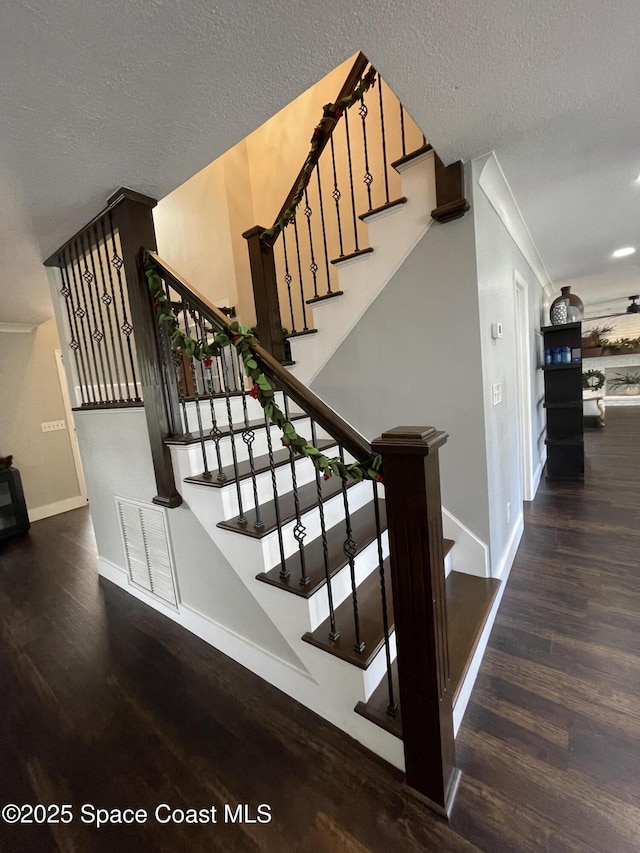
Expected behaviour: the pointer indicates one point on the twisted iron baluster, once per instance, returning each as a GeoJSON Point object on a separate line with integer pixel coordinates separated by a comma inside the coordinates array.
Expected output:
{"type": "Point", "coordinates": [324, 230]}
{"type": "Point", "coordinates": [107, 301]}
{"type": "Point", "coordinates": [74, 343]}
{"type": "Point", "coordinates": [392, 707]}
{"type": "Point", "coordinates": [305, 327]}
{"type": "Point", "coordinates": [85, 279]}
{"type": "Point", "coordinates": [368, 177]}
{"type": "Point", "coordinates": [385, 165]}
{"type": "Point", "coordinates": [337, 195]}
{"type": "Point", "coordinates": [98, 332]}
{"type": "Point", "coordinates": [287, 278]}
{"type": "Point", "coordinates": [284, 572]}
{"type": "Point", "coordinates": [313, 266]}
{"type": "Point", "coordinates": [334, 634]}
{"type": "Point", "coordinates": [353, 198]}
{"type": "Point", "coordinates": [402, 134]}
{"type": "Point", "coordinates": [126, 328]}
{"type": "Point", "coordinates": [242, 519]}
{"type": "Point", "coordinates": [299, 530]}
{"type": "Point", "coordinates": [114, 303]}
{"type": "Point", "coordinates": [215, 433]}
{"type": "Point", "coordinates": [249, 436]}
{"type": "Point", "coordinates": [186, 311]}
{"type": "Point", "coordinates": [80, 313]}
{"type": "Point", "coordinates": [350, 549]}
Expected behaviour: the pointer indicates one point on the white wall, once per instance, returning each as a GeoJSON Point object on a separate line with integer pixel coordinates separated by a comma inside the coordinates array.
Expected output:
{"type": "Point", "coordinates": [117, 461]}
{"type": "Point", "coordinates": [498, 260]}
{"type": "Point", "coordinates": [413, 358]}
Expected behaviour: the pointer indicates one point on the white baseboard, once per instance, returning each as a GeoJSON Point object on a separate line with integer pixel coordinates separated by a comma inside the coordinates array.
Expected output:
{"type": "Point", "coordinates": [502, 573]}
{"type": "Point", "coordinates": [537, 477]}
{"type": "Point", "coordinates": [56, 508]}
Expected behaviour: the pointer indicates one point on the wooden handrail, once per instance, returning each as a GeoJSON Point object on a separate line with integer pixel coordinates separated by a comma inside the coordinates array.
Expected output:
{"type": "Point", "coordinates": [312, 405]}
{"type": "Point", "coordinates": [325, 132]}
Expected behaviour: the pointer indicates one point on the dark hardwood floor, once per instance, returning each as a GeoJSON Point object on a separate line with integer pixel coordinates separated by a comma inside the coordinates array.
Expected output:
{"type": "Point", "coordinates": [105, 702]}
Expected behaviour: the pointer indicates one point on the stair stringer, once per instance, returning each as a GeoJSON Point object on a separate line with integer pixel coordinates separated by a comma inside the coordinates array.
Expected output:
{"type": "Point", "coordinates": [392, 236]}
{"type": "Point", "coordinates": [470, 555]}
{"type": "Point", "coordinates": [331, 687]}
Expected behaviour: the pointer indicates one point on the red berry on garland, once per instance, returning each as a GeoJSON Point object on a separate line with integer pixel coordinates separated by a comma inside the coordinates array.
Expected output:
{"type": "Point", "coordinates": [327, 477]}
{"type": "Point", "coordinates": [157, 303]}
{"type": "Point", "coordinates": [285, 443]}
{"type": "Point", "coordinates": [379, 478]}
{"type": "Point", "coordinates": [234, 338]}
{"type": "Point", "coordinates": [254, 391]}
{"type": "Point", "coordinates": [207, 362]}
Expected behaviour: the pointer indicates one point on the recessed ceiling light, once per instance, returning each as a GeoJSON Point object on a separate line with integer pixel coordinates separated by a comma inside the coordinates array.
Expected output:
{"type": "Point", "coordinates": [622, 253]}
{"type": "Point", "coordinates": [638, 180]}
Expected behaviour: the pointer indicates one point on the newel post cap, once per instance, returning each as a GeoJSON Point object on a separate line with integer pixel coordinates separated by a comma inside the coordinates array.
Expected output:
{"type": "Point", "coordinates": [254, 231]}
{"type": "Point", "coordinates": [420, 440]}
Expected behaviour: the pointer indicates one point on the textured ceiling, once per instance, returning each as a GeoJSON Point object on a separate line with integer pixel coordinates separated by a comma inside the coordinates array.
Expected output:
{"type": "Point", "coordinates": [144, 93]}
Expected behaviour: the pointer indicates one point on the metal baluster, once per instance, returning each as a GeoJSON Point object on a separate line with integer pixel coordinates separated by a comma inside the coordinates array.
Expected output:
{"type": "Point", "coordinates": [242, 519]}
{"type": "Point", "coordinates": [288, 279]}
{"type": "Point", "coordinates": [350, 549]}
{"type": "Point", "coordinates": [337, 195]}
{"type": "Point", "coordinates": [80, 313]}
{"type": "Point", "coordinates": [305, 328]}
{"type": "Point", "coordinates": [99, 333]}
{"type": "Point", "coordinates": [368, 177]}
{"type": "Point", "coordinates": [185, 316]}
{"type": "Point", "coordinates": [334, 634]}
{"type": "Point", "coordinates": [108, 266]}
{"type": "Point", "coordinates": [86, 278]}
{"type": "Point", "coordinates": [74, 343]}
{"type": "Point", "coordinates": [249, 436]}
{"type": "Point", "coordinates": [126, 328]}
{"type": "Point", "coordinates": [392, 707]}
{"type": "Point", "coordinates": [299, 530]}
{"type": "Point", "coordinates": [353, 198]}
{"type": "Point", "coordinates": [324, 230]}
{"type": "Point", "coordinates": [177, 359]}
{"type": "Point", "coordinates": [207, 379]}
{"type": "Point", "coordinates": [284, 572]}
{"type": "Point", "coordinates": [402, 136]}
{"type": "Point", "coordinates": [107, 301]}
{"type": "Point", "coordinates": [385, 165]}
{"type": "Point", "coordinates": [313, 266]}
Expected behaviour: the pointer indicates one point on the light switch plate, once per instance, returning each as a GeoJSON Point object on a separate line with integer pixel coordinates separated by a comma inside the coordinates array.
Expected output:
{"type": "Point", "coordinates": [51, 426]}
{"type": "Point", "coordinates": [497, 393]}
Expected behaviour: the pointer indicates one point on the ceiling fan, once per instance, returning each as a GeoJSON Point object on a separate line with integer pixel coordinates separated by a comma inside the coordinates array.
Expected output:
{"type": "Point", "coordinates": [634, 308]}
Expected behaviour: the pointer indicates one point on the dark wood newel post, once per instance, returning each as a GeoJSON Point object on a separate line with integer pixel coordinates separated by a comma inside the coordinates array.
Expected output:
{"type": "Point", "coordinates": [414, 520]}
{"type": "Point", "coordinates": [132, 217]}
{"type": "Point", "coordinates": [265, 293]}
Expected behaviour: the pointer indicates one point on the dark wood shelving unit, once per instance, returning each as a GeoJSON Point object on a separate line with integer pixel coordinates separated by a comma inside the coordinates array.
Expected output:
{"type": "Point", "coordinates": [563, 403]}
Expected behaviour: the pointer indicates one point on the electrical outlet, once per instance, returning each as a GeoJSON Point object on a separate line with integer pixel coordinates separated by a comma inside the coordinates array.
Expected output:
{"type": "Point", "coordinates": [497, 393]}
{"type": "Point", "coordinates": [51, 426]}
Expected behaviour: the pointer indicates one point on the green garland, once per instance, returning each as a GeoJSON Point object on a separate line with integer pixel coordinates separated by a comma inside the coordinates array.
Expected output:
{"type": "Point", "coordinates": [330, 115]}
{"type": "Point", "coordinates": [588, 375]}
{"type": "Point", "coordinates": [262, 390]}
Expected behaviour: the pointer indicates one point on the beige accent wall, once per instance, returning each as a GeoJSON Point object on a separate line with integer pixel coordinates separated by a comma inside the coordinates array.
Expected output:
{"type": "Point", "coordinates": [29, 395]}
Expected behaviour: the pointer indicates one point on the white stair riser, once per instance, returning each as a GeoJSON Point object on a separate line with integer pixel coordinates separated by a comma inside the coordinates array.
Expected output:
{"type": "Point", "coordinates": [365, 562]}
{"type": "Point", "coordinates": [357, 496]}
{"type": "Point", "coordinates": [191, 454]}
{"type": "Point", "coordinates": [377, 669]}
{"type": "Point", "coordinates": [254, 411]}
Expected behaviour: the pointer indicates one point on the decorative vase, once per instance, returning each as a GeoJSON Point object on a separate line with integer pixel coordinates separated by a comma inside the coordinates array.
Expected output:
{"type": "Point", "coordinates": [559, 312]}
{"type": "Point", "coordinates": [632, 390]}
{"type": "Point", "coordinates": [575, 307]}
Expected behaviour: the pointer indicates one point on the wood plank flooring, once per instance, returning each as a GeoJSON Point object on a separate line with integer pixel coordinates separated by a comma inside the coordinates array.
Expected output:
{"type": "Point", "coordinates": [105, 702]}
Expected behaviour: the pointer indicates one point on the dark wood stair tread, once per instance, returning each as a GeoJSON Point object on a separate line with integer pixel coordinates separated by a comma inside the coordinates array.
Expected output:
{"type": "Point", "coordinates": [324, 298]}
{"type": "Point", "coordinates": [407, 158]}
{"type": "Point", "coordinates": [260, 465]}
{"type": "Point", "coordinates": [388, 206]}
{"type": "Point", "coordinates": [469, 600]}
{"type": "Point", "coordinates": [371, 626]}
{"type": "Point", "coordinates": [225, 432]}
{"type": "Point", "coordinates": [357, 254]}
{"type": "Point", "coordinates": [307, 499]}
{"type": "Point", "coordinates": [300, 334]}
{"type": "Point", "coordinates": [363, 527]}
{"type": "Point", "coordinates": [447, 545]}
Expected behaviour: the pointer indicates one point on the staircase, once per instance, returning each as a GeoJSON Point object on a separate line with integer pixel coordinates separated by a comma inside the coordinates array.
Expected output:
{"type": "Point", "coordinates": [349, 569]}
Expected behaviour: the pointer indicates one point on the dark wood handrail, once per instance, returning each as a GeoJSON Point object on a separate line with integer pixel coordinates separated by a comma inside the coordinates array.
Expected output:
{"type": "Point", "coordinates": [325, 132]}
{"type": "Point", "coordinates": [312, 405]}
{"type": "Point", "coordinates": [112, 202]}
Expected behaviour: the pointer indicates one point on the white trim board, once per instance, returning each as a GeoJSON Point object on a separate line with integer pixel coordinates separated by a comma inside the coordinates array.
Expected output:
{"type": "Point", "coordinates": [56, 508]}
{"type": "Point", "coordinates": [494, 184]}
{"type": "Point", "coordinates": [18, 327]}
